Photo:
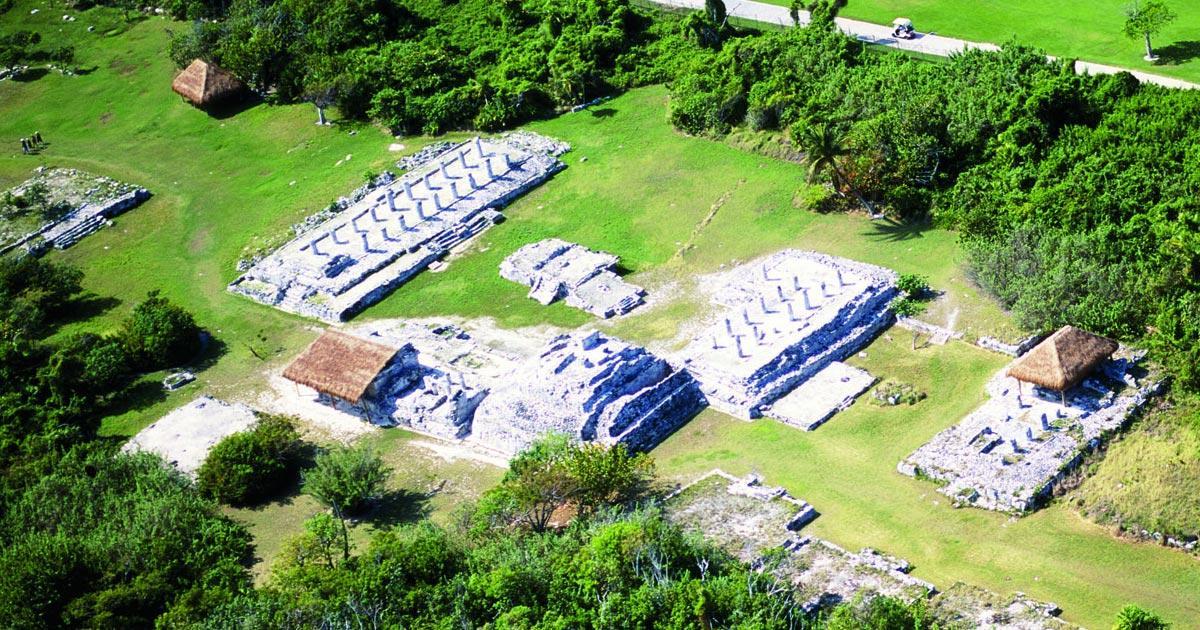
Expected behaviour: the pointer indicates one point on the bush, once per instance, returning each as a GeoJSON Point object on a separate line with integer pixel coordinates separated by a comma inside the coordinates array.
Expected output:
{"type": "Point", "coordinates": [247, 467]}
{"type": "Point", "coordinates": [915, 286]}
{"type": "Point", "coordinates": [159, 334]}
{"type": "Point", "coordinates": [347, 479]}
{"type": "Point", "coordinates": [1137, 618]}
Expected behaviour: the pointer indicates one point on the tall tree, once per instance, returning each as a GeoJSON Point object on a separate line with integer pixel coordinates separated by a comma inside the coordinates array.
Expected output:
{"type": "Point", "coordinates": [824, 146]}
{"type": "Point", "coordinates": [1145, 19]}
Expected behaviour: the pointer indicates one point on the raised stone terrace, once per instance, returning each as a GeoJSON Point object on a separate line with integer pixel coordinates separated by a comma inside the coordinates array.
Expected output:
{"type": "Point", "coordinates": [397, 230]}
{"type": "Point", "coordinates": [593, 388]}
{"type": "Point", "coordinates": [184, 436]}
{"type": "Point", "coordinates": [782, 319]}
{"type": "Point", "coordinates": [1008, 454]}
{"type": "Point", "coordinates": [556, 269]}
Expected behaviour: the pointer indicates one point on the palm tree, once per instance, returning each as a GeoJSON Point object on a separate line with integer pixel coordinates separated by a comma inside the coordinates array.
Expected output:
{"type": "Point", "coordinates": [824, 146]}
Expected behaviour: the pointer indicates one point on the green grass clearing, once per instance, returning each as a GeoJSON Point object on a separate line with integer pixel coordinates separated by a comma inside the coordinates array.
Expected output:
{"type": "Point", "coordinates": [847, 470]}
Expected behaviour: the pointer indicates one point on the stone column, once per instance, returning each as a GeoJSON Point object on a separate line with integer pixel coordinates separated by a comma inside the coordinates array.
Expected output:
{"type": "Point", "coordinates": [804, 293]}
{"type": "Point", "coordinates": [366, 245]}
{"type": "Point", "coordinates": [391, 196]}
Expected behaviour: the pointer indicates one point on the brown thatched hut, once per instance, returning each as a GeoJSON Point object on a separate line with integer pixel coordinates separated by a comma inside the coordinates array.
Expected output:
{"type": "Point", "coordinates": [1063, 359]}
{"type": "Point", "coordinates": [341, 366]}
{"type": "Point", "coordinates": [204, 84]}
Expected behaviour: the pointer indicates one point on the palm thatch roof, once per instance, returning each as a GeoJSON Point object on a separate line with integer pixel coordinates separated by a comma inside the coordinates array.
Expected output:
{"type": "Point", "coordinates": [340, 365]}
{"type": "Point", "coordinates": [1063, 359]}
{"type": "Point", "coordinates": [203, 83]}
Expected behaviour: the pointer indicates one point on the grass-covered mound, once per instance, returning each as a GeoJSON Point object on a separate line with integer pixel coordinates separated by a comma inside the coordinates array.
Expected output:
{"type": "Point", "coordinates": [1149, 479]}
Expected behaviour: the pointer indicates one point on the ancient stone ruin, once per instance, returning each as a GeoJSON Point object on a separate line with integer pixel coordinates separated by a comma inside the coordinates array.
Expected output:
{"type": "Point", "coordinates": [593, 388]}
{"type": "Point", "coordinates": [59, 207]}
{"type": "Point", "coordinates": [816, 400]}
{"type": "Point", "coordinates": [780, 321]}
{"type": "Point", "coordinates": [761, 525]}
{"type": "Point", "coordinates": [184, 437]}
{"type": "Point", "coordinates": [381, 241]}
{"type": "Point", "coordinates": [751, 521]}
{"type": "Point", "coordinates": [554, 269]}
{"type": "Point", "coordinates": [1008, 454]}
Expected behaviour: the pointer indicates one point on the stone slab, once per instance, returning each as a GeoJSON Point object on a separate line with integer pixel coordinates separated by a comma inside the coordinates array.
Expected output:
{"type": "Point", "coordinates": [816, 400]}
{"type": "Point", "coordinates": [184, 436]}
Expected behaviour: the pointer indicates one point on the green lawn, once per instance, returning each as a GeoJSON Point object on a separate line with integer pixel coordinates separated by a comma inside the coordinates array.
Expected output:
{"type": "Point", "coordinates": [644, 192]}
{"type": "Point", "coordinates": [1083, 29]}
{"type": "Point", "coordinates": [847, 470]}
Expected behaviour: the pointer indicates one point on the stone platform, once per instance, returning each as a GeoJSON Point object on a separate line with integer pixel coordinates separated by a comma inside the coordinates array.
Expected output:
{"type": "Point", "coordinates": [590, 387]}
{"type": "Point", "coordinates": [1008, 454]}
{"type": "Point", "coordinates": [780, 321]}
{"type": "Point", "coordinates": [184, 436]}
{"type": "Point", "coordinates": [397, 230]}
{"type": "Point", "coordinates": [555, 269]}
{"type": "Point", "coordinates": [816, 400]}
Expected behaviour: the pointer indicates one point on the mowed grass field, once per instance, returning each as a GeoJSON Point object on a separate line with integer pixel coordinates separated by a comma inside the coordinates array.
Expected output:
{"type": "Point", "coordinates": [671, 206]}
{"type": "Point", "coordinates": [1083, 29]}
{"type": "Point", "coordinates": [847, 470]}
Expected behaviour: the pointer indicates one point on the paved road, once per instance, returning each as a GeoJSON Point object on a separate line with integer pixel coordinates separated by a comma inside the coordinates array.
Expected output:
{"type": "Point", "coordinates": [924, 42]}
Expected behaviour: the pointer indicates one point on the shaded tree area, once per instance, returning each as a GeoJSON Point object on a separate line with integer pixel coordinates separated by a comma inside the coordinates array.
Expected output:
{"type": "Point", "coordinates": [89, 538]}
{"type": "Point", "coordinates": [1076, 196]}
{"type": "Point", "coordinates": [613, 562]}
{"type": "Point", "coordinates": [433, 65]}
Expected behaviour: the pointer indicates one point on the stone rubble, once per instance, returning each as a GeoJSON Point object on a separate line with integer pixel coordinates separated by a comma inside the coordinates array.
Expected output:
{"type": "Point", "coordinates": [380, 241]}
{"type": "Point", "coordinates": [555, 269]}
{"type": "Point", "coordinates": [87, 202]}
{"type": "Point", "coordinates": [1009, 454]}
{"type": "Point", "coordinates": [592, 388]}
{"type": "Point", "coordinates": [427, 154]}
{"type": "Point", "coordinates": [184, 436]}
{"type": "Point", "coordinates": [751, 521]}
{"type": "Point", "coordinates": [781, 320]}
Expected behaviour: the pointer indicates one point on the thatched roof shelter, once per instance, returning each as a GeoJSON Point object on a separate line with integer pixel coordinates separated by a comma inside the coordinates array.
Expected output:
{"type": "Point", "coordinates": [1063, 359]}
{"type": "Point", "coordinates": [203, 84]}
{"type": "Point", "coordinates": [340, 365]}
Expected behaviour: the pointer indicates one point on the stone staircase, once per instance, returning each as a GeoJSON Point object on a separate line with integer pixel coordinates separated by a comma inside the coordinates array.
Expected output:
{"type": "Point", "coordinates": [65, 236]}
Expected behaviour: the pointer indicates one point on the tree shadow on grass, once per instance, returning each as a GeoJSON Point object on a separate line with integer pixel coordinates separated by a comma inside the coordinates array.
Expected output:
{"type": "Point", "coordinates": [146, 392]}
{"type": "Point", "coordinates": [31, 75]}
{"type": "Point", "coordinates": [398, 507]}
{"type": "Point", "coordinates": [1178, 53]}
{"type": "Point", "coordinates": [86, 307]}
{"type": "Point", "coordinates": [602, 112]}
{"type": "Point", "coordinates": [892, 231]}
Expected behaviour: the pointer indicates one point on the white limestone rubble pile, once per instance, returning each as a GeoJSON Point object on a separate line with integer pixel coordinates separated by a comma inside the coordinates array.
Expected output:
{"type": "Point", "coordinates": [1008, 454]}
{"type": "Point", "coordinates": [555, 269]}
{"type": "Point", "coordinates": [753, 522]}
{"type": "Point", "coordinates": [443, 374]}
{"type": "Point", "coordinates": [816, 400]}
{"type": "Point", "coordinates": [184, 436]}
{"type": "Point", "coordinates": [780, 321]}
{"type": "Point", "coordinates": [381, 241]}
{"type": "Point", "coordinates": [590, 387]}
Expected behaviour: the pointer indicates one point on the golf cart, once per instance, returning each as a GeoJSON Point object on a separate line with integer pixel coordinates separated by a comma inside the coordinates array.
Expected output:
{"type": "Point", "coordinates": [902, 28]}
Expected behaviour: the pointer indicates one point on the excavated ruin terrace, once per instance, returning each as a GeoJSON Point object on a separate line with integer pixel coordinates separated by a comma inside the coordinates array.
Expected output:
{"type": "Point", "coordinates": [397, 230]}
{"type": "Point", "coordinates": [781, 320]}
{"type": "Point", "coordinates": [1008, 454]}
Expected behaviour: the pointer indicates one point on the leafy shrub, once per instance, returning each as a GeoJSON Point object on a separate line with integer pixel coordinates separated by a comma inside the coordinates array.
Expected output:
{"type": "Point", "coordinates": [347, 479]}
{"type": "Point", "coordinates": [159, 334]}
{"type": "Point", "coordinates": [247, 467]}
{"type": "Point", "coordinates": [915, 286]}
{"type": "Point", "coordinates": [1134, 617]}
